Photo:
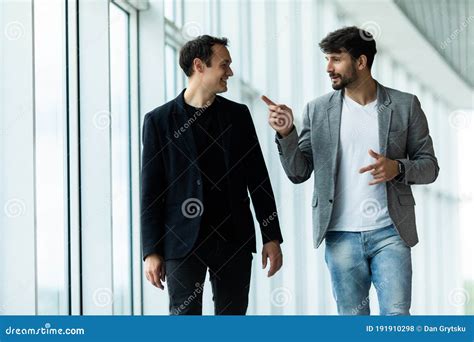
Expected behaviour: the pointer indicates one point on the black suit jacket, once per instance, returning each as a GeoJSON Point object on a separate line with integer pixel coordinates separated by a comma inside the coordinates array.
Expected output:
{"type": "Point", "coordinates": [171, 180]}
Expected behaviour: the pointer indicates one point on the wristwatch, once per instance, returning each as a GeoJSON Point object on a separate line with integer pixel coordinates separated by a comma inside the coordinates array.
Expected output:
{"type": "Point", "coordinates": [401, 168]}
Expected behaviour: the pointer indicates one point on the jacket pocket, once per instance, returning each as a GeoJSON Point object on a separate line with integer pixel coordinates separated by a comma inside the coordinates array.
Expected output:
{"type": "Point", "coordinates": [406, 200]}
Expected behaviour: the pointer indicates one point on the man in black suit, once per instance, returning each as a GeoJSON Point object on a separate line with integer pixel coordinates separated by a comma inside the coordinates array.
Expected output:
{"type": "Point", "coordinates": [201, 160]}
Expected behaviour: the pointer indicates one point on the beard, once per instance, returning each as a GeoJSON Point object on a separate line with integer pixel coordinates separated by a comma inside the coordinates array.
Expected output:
{"type": "Point", "coordinates": [344, 80]}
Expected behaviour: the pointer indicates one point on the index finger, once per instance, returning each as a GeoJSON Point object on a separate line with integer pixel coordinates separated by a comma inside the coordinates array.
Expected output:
{"type": "Point", "coordinates": [268, 101]}
{"type": "Point", "coordinates": [367, 168]}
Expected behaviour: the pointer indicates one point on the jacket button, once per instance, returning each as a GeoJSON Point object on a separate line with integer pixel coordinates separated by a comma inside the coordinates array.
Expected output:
{"type": "Point", "coordinates": [198, 182]}
{"type": "Point", "coordinates": [330, 201]}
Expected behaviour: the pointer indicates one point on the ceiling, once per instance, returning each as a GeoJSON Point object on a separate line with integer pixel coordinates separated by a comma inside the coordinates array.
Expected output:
{"type": "Point", "coordinates": [448, 25]}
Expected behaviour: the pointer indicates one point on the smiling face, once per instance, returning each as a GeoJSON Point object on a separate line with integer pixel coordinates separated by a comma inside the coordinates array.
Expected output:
{"type": "Point", "coordinates": [215, 75]}
{"type": "Point", "coordinates": [342, 70]}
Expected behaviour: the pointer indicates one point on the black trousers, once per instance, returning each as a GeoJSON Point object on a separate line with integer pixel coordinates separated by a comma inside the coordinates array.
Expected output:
{"type": "Point", "coordinates": [229, 272]}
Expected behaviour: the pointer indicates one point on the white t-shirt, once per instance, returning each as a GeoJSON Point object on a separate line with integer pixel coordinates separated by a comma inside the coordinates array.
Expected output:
{"type": "Point", "coordinates": [358, 206]}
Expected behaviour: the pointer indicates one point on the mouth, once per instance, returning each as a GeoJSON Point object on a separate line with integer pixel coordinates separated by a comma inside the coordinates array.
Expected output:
{"type": "Point", "coordinates": [224, 81]}
{"type": "Point", "coordinates": [334, 78]}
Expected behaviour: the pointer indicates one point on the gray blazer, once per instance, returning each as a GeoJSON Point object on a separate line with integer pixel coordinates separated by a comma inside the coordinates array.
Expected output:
{"type": "Point", "coordinates": [403, 135]}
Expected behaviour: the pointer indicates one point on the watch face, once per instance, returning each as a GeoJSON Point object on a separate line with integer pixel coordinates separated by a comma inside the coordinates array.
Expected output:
{"type": "Point", "coordinates": [401, 169]}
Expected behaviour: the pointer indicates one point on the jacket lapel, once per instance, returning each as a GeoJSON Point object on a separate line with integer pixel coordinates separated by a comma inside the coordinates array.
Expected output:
{"type": "Point", "coordinates": [334, 119]}
{"type": "Point", "coordinates": [225, 129]}
{"type": "Point", "coordinates": [182, 133]}
{"type": "Point", "coordinates": [384, 117]}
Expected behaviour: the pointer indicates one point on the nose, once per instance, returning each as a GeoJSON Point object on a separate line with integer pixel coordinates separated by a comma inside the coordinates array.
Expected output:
{"type": "Point", "coordinates": [230, 72]}
{"type": "Point", "coordinates": [330, 68]}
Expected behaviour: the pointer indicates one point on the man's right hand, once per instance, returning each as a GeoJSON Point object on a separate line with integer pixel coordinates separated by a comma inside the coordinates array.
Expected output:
{"type": "Point", "coordinates": [155, 270]}
{"type": "Point", "coordinates": [280, 117]}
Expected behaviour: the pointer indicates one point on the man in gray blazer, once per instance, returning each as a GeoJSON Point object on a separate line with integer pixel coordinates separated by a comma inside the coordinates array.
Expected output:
{"type": "Point", "coordinates": [367, 144]}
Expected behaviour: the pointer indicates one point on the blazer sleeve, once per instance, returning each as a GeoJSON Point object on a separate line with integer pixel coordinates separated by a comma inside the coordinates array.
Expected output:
{"type": "Point", "coordinates": [296, 154]}
{"type": "Point", "coordinates": [421, 166]}
{"type": "Point", "coordinates": [259, 185]}
{"type": "Point", "coordinates": [152, 190]}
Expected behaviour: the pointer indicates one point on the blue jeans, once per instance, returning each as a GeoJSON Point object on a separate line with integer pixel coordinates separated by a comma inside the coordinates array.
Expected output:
{"type": "Point", "coordinates": [357, 259]}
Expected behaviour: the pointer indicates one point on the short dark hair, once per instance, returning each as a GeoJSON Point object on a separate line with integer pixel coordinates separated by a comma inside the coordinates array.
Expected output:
{"type": "Point", "coordinates": [352, 39]}
{"type": "Point", "coordinates": [200, 47]}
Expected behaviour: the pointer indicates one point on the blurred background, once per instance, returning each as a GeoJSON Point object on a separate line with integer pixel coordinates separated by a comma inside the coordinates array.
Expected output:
{"type": "Point", "coordinates": [78, 76]}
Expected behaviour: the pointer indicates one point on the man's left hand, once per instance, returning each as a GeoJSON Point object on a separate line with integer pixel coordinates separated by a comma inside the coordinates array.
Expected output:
{"type": "Point", "coordinates": [383, 170]}
{"type": "Point", "coordinates": [271, 250]}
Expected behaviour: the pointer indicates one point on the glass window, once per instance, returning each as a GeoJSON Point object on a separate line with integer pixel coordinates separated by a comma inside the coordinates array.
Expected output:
{"type": "Point", "coordinates": [171, 62]}
{"type": "Point", "coordinates": [50, 147]}
{"type": "Point", "coordinates": [120, 145]}
{"type": "Point", "coordinates": [179, 12]}
{"type": "Point", "coordinates": [169, 9]}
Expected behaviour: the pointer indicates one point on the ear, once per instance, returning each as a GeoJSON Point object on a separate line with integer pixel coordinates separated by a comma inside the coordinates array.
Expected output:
{"type": "Point", "coordinates": [362, 62]}
{"type": "Point", "coordinates": [198, 65]}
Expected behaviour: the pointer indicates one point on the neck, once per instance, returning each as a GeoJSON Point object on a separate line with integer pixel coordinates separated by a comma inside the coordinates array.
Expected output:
{"type": "Point", "coordinates": [197, 96]}
{"type": "Point", "coordinates": [362, 91]}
